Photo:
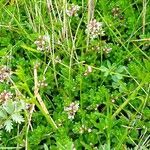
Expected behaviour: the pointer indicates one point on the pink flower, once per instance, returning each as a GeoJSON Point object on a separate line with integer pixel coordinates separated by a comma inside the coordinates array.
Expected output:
{"type": "Point", "coordinates": [71, 110]}
{"type": "Point", "coordinates": [4, 96]}
{"type": "Point", "coordinates": [94, 28]}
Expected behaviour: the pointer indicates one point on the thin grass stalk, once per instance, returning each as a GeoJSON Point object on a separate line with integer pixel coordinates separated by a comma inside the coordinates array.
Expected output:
{"type": "Point", "coordinates": [65, 27]}
{"type": "Point", "coordinates": [89, 17]}
{"type": "Point", "coordinates": [144, 16]}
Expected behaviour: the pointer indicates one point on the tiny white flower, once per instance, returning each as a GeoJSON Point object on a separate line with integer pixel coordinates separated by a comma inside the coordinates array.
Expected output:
{"type": "Point", "coordinates": [89, 130]}
{"type": "Point", "coordinates": [88, 70]}
{"type": "Point", "coordinates": [112, 100]}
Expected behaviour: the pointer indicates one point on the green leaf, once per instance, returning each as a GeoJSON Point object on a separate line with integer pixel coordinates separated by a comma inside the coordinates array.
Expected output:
{"type": "Point", "coordinates": [20, 105]}
{"type": "Point", "coordinates": [3, 52]}
{"type": "Point", "coordinates": [120, 69]}
{"type": "Point", "coordinates": [17, 118]}
{"type": "Point", "coordinates": [3, 114]}
{"type": "Point", "coordinates": [9, 106]}
{"type": "Point", "coordinates": [109, 64]}
{"type": "Point", "coordinates": [117, 77]}
{"type": "Point", "coordinates": [114, 78]}
{"type": "Point", "coordinates": [29, 48]}
{"type": "Point", "coordinates": [103, 69]}
{"type": "Point", "coordinates": [20, 73]}
{"type": "Point", "coordinates": [106, 74]}
{"type": "Point", "coordinates": [8, 125]}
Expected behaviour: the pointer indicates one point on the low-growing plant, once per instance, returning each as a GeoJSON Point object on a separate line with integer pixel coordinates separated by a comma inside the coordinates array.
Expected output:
{"type": "Point", "coordinates": [74, 75]}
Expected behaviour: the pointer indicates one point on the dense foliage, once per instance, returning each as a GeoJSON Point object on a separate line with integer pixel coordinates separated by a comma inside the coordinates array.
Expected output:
{"type": "Point", "coordinates": [75, 74]}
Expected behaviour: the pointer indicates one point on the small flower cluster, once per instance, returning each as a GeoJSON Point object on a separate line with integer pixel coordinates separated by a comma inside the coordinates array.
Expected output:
{"type": "Point", "coordinates": [96, 48]}
{"type": "Point", "coordinates": [42, 43]}
{"type": "Point", "coordinates": [83, 128]}
{"type": "Point", "coordinates": [94, 29]}
{"type": "Point", "coordinates": [116, 11]}
{"type": "Point", "coordinates": [92, 107]}
{"type": "Point", "coordinates": [107, 50]}
{"type": "Point", "coordinates": [72, 11]}
{"type": "Point", "coordinates": [4, 96]}
{"type": "Point", "coordinates": [71, 110]}
{"type": "Point", "coordinates": [4, 73]}
{"type": "Point", "coordinates": [42, 83]}
{"type": "Point", "coordinates": [88, 71]}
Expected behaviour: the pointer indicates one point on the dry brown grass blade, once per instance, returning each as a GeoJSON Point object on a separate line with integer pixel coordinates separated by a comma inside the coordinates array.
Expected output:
{"type": "Point", "coordinates": [90, 9]}
{"type": "Point", "coordinates": [38, 97]}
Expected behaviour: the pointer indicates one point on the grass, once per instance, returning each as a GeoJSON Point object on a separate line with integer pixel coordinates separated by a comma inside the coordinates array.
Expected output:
{"type": "Point", "coordinates": [67, 84]}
